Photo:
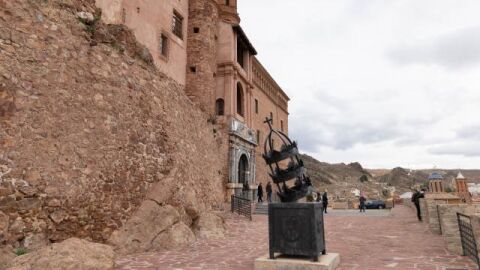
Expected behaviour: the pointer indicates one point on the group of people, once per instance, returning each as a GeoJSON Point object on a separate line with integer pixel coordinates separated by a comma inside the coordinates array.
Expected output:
{"type": "Point", "coordinates": [268, 189]}
{"type": "Point", "coordinates": [323, 198]}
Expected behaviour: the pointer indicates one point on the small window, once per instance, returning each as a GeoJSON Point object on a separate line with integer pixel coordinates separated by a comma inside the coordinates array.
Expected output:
{"type": "Point", "coordinates": [177, 25]}
{"type": "Point", "coordinates": [196, 30]}
{"type": "Point", "coordinates": [219, 106]}
{"type": "Point", "coordinates": [281, 125]}
{"type": "Point", "coordinates": [256, 106]}
{"type": "Point", "coordinates": [271, 117]}
{"type": "Point", "coordinates": [193, 69]}
{"type": "Point", "coordinates": [258, 136]}
{"type": "Point", "coordinates": [227, 2]}
{"type": "Point", "coordinates": [138, 9]}
{"type": "Point", "coordinates": [163, 45]}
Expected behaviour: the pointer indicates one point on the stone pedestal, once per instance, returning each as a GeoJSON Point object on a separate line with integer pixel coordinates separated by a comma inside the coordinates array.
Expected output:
{"type": "Point", "coordinates": [329, 261]}
{"type": "Point", "coordinates": [296, 229]}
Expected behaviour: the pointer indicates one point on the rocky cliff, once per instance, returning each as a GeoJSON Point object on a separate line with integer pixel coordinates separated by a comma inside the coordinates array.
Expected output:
{"type": "Point", "coordinates": [91, 133]}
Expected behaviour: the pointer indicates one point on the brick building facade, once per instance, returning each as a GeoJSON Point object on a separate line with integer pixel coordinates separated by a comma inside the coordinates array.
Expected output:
{"type": "Point", "coordinates": [201, 45]}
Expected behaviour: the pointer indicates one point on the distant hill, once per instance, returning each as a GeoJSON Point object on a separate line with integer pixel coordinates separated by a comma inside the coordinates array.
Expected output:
{"type": "Point", "coordinates": [340, 179]}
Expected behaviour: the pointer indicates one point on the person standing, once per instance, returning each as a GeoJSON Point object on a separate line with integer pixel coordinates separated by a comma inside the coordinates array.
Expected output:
{"type": "Point", "coordinates": [260, 193]}
{"type": "Point", "coordinates": [362, 203]}
{"type": "Point", "coordinates": [325, 201]}
{"type": "Point", "coordinates": [269, 190]}
{"type": "Point", "coordinates": [417, 195]}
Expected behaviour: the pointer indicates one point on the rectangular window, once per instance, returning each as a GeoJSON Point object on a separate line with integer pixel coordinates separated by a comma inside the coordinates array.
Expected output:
{"type": "Point", "coordinates": [258, 136]}
{"type": "Point", "coordinates": [163, 45]}
{"type": "Point", "coordinates": [177, 25]}
{"type": "Point", "coordinates": [256, 106]}
{"type": "Point", "coordinates": [240, 52]}
{"type": "Point", "coordinates": [271, 117]}
{"type": "Point", "coordinates": [281, 125]}
{"type": "Point", "coordinates": [227, 2]}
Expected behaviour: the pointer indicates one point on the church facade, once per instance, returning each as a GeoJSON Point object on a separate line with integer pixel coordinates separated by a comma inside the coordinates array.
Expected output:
{"type": "Point", "coordinates": [201, 45]}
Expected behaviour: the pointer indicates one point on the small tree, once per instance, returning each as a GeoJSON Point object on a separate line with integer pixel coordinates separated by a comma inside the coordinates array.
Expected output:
{"type": "Point", "coordinates": [363, 178]}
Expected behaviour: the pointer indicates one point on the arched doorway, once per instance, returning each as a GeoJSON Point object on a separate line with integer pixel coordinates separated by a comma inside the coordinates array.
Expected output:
{"type": "Point", "coordinates": [243, 169]}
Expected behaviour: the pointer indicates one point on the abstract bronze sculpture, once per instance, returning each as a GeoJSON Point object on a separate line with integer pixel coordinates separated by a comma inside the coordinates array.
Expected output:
{"type": "Point", "coordinates": [294, 169]}
{"type": "Point", "coordinates": [295, 229]}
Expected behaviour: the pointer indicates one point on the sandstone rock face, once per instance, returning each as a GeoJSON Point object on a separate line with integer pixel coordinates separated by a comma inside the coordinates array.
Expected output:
{"type": "Point", "coordinates": [89, 129]}
{"type": "Point", "coordinates": [6, 256]}
{"type": "Point", "coordinates": [73, 253]}
{"type": "Point", "coordinates": [210, 225]}
{"type": "Point", "coordinates": [152, 227]}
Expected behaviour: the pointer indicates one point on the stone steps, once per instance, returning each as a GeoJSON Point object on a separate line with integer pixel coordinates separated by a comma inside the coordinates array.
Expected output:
{"type": "Point", "coordinates": [261, 209]}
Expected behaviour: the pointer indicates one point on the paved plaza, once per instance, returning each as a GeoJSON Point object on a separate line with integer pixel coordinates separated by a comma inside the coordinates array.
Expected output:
{"type": "Point", "coordinates": [377, 239]}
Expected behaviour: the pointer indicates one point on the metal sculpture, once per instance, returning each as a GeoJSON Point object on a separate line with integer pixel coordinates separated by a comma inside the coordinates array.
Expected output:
{"type": "Point", "coordinates": [285, 165]}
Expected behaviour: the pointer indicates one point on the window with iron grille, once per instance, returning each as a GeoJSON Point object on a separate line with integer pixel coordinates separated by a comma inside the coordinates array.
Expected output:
{"type": "Point", "coordinates": [177, 25]}
{"type": "Point", "coordinates": [163, 45]}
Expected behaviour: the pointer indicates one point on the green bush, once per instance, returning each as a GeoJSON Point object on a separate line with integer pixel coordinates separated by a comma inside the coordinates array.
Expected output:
{"type": "Point", "coordinates": [21, 251]}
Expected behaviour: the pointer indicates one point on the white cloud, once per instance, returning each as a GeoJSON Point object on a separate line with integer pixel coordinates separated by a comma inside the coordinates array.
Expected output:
{"type": "Point", "coordinates": [385, 83]}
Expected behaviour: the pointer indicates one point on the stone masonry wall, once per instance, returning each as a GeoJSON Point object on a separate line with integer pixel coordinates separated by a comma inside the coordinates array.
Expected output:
{"type": "Point", "coordinates": [201, 53]}
{"type": "Point", "coordinates": [449, 223]}
{"type": "Point", "coordinates": [89, 130]}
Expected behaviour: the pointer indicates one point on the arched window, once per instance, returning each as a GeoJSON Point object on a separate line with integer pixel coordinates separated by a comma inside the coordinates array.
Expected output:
{"type": "Point", "coordinates": [219, 106]}
{"type": "Point", "coordinates": [239, 99]}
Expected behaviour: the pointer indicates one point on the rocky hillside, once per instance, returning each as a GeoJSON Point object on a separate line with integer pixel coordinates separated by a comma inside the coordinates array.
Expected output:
{"type": "Point", "coordinates": [340, 179]}
{"type": "Point", "coordinates": [91, 135]}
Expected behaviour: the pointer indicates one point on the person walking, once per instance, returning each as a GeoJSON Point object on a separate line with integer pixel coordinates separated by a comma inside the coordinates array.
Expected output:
{"type": "Point", "coordinates": [269, 190]}
{"type": "Point", "coordinates": [417, 195]}
{"type": "Point", "coordinates": [325, 201]}
{"type": "Point", "coordinates": [309, 192]}
{"type": "Point", "coordinates": [260, 192]}
{"type": "Point", "coordinates": [362, 203]}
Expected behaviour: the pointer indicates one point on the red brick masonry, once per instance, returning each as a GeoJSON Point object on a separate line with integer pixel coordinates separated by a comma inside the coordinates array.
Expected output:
{"type": "Point", "coordinates": [369, 241]}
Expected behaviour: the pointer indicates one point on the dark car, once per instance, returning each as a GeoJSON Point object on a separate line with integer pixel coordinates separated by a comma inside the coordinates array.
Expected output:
{"type": "Point", "coordinates": [375, 204]}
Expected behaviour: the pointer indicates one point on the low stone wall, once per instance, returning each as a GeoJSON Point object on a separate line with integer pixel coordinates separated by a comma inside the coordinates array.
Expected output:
{"type": "Point", "coordinates": [433, 216]}
{"type": "Point", "coordinates": [449, 224]}
{"type": "Point", "coordinates": [423, 210]}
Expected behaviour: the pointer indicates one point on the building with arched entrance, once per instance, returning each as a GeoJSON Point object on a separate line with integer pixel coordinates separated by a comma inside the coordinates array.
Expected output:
{"type": "Point", "coordinates": [201, 45]}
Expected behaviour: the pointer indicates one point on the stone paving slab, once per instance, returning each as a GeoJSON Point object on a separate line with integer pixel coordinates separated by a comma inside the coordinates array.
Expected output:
{"type": "Point", "coordinates": [394, 241]}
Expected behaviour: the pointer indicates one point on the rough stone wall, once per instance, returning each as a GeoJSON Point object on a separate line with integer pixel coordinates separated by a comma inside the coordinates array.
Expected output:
{"type": "Point", "coordinates": [89, 128]}
{"type": "Point", "coordinates": [449, 223]}
{"type": "Point", "coordinates": [201, 53]}
{"type": "Point", "coordinates": [433, 216]}
{"type": "Point", "coordinates": [423, 210]}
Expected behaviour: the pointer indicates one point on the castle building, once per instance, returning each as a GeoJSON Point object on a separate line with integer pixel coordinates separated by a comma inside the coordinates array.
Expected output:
{"type": "Point", "coordinates": [201, 45]}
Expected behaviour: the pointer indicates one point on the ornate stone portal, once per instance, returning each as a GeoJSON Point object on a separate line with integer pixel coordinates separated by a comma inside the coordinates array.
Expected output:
{"type": "Point", "coordinates": [242, 145]}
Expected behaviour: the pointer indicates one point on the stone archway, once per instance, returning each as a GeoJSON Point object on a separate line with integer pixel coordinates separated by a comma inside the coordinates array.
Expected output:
{"type": "Point", "coordinates": [243, 169]}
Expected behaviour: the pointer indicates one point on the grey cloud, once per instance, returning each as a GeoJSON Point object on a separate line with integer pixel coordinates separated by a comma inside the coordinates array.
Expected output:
{"type": "Point", "coordinates": [466, 149]}
{"type": "Point", "coordinates": [469, 132]}
{"type": "Point", "coordinates": [457, 49]}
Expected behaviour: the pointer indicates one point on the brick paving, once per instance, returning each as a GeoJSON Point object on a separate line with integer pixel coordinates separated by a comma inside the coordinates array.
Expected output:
{"type": "Point", "coordinates": [375, 240]}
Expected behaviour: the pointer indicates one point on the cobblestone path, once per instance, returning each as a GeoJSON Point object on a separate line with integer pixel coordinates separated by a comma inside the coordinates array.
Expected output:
{"type": "Point", "coordinates": [371, 241]}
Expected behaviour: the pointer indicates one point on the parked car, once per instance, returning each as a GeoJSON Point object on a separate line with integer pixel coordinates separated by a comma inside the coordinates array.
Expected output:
{"type": "Point", "coordinates": [375, 204]}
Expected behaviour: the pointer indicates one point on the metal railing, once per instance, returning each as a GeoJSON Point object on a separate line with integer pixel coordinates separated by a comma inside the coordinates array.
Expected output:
{"type": "Point", "coordinates": [469, 244]}
{"type": "Point", "coordinates": [242, 206]}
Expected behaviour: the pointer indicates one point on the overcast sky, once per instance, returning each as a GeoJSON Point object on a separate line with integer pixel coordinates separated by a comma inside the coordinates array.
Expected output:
{"type": "Point", "coordinates": [385, 83]}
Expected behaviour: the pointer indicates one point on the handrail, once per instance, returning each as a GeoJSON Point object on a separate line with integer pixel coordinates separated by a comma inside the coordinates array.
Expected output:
{"type": "Point", "coordinates": [241, 206]}
{"type": "Point", "coordinates": [469, 243]}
